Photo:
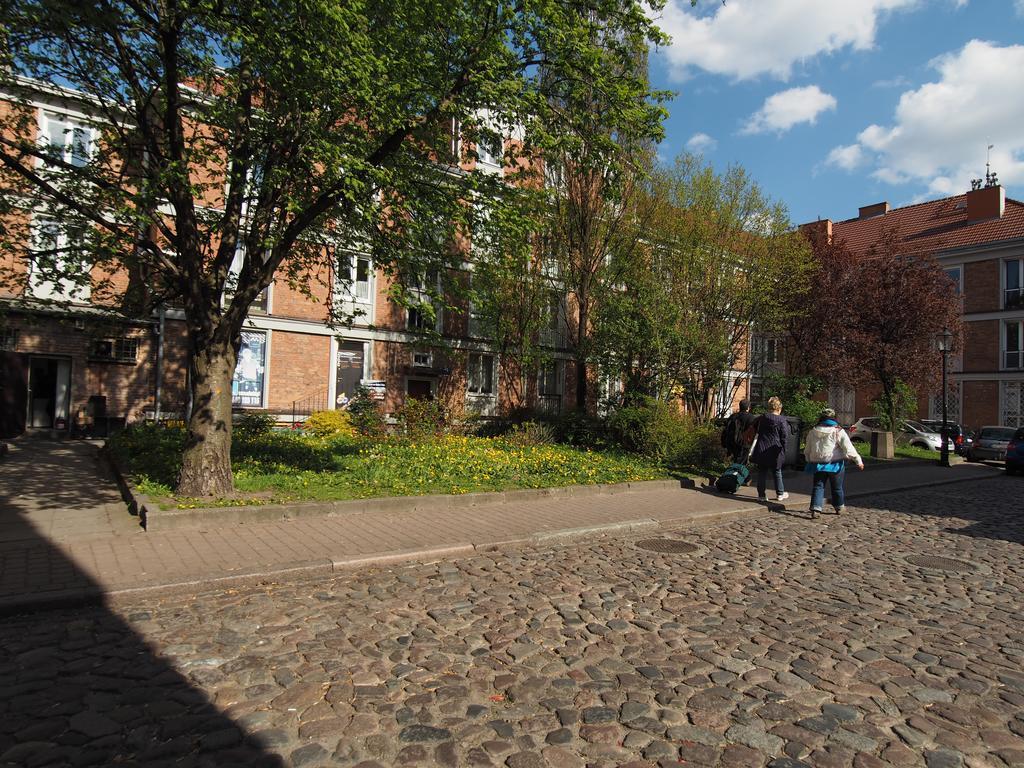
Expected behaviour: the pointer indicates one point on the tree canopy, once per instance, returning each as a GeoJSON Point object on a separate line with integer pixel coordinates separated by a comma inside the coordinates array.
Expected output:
{"type": "Point", "coordinates": [232, 142]}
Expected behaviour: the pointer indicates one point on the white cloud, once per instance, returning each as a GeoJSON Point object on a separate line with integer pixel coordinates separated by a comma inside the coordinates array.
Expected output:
{"type": "Point", "coordinates": [701, 142]}
{"type": "Point", "coordinates": [783, 110]}
{"type": "Point", "coordinates": [747, 38]}
{"type": "Point", "coordinates": [939, 131]}
{"type": "Point", "coordinates": [1019, 5]}
{"type": "Point", "coordinates": [847, 158]}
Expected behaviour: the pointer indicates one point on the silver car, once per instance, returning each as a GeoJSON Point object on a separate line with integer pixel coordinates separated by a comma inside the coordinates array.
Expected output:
{"type": "Point", "coordinates": [913, 433]}
{"type": "Point", "coordinates": [990, 443]}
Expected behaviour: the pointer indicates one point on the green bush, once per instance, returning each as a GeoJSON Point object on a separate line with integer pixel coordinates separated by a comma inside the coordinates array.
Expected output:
{"type": "Point", "coordinates": [795, 393]}
{"type": "Point", "coordinates": [578, 429]}
{"type": "Point", "coordinates": [531, 433]}
{"type": "Point", "coordinates": [700, 448]}
{"type": "Point", "coordinates": [419, 419]}
{"type": "Point", "coordinates": [365, 414]}
{"type": "Point", "coordinates": [329, 424]}
{"type": "Point", "coordinates": [255, 423]}
{"type": "Point", "coordinates": [650, 427]}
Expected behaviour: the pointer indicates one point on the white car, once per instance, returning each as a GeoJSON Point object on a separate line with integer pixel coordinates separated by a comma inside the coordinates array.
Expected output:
{"type": "Point", "coordinates": [914, 433]}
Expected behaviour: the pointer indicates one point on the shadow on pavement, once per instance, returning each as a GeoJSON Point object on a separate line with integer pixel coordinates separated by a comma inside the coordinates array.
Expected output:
{"type": "Point", "coordinates": [984, 505]}
{"type": "Point", "coordinates": [80, 686]}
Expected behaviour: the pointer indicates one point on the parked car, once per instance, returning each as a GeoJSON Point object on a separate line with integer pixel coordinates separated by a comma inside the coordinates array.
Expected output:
{"type": "Point", "coordinates": [990, 443]}
{"type": "Point", "coordinates": [1015, 453]}
{"type": "Point", "coordinates": [913, 433]}
{"type": "Point", "coordinates": [961, 439]}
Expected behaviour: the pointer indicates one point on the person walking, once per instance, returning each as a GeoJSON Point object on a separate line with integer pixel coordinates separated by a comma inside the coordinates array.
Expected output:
{"type": "Point", "coordinates": [827, 450]}
{"type": "Point", "coordinates": [772, 431]}
{"type": "Point", "coordinates": [734, 433]}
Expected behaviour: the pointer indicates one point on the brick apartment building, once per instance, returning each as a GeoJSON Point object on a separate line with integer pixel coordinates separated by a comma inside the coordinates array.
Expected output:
{"type": "Point", "coordinates": [93, 363]}
{"type": "Point", "coordinates": [978, 238]}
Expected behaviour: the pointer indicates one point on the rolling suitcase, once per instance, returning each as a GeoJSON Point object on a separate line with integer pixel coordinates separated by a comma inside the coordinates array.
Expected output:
{"type": "Point", "coordinates": [735, 475]}
{"type": "Point", "coordinates": [733, 478]}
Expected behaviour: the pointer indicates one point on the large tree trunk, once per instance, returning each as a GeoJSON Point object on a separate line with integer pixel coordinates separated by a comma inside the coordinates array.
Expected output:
{"type": "Point", "coordinates": [206, 463]}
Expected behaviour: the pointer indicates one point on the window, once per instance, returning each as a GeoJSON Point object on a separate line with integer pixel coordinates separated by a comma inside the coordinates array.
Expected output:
{"type": "Point", "coordinates": [489, 150]}
{"type": "Point", "coordinates": [247, 386]}
{"type": "Point", "coordinates": [1013, 284]}
{"type": "Point", "coordinates": [349, 371]}
{"type": "Point", "coordinates": [1011, 400]}
{"type": "Point", "coordinates": [124, 350]}
{"type": "Point", "coordinates": [422, 359]}
{"type": "Point", "coordinates": [551, 332]}
{"type": "Point", "coordinates": [549, 386]}
{"type": "Point", "coordinates": [261, 305]}
{"type": "Point", "coordinates": [480, 374]}
{"type": "Point", "coordinates": [1013, 344]}
{"type": "Point", "coordinates": [767, 351]}
{"type": "Point", "coordinates": [422, 315]}
{"type": "Point", "coordinates": [955, 274]}
{"type": "Point", "coordinates": [70, 141]}
{"type": "Point", "coordinates": [357, 276]}
{"type": "Point", "coordinates": [59, 270]}
{"type": "Point", "coordinates": [8, 339]}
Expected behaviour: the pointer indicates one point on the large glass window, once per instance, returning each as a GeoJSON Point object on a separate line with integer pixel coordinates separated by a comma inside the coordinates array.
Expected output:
{"type": "Point", "coordinates": [349, 369]}
{"type": "Point", "coordinates": [262, 303]}
{"type": "Point", "coordinates": [480, 376]}
{"type": "Point", "coordinates": [1013, 344]}
{"type": "Point", "coordinates": [59, 269]}
{"type": "Point", "coordinates": [955, 274]}
{"type": "Point", "coordinates": [1013, 281]}
{"type": "Point", "coordinates": [551, 332]}
{"type": "Point", "coordinates": [248, 384]}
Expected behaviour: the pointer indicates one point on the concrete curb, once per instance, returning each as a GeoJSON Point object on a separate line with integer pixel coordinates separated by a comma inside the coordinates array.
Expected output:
{"type": "Point", "coordinates": [156, 519]}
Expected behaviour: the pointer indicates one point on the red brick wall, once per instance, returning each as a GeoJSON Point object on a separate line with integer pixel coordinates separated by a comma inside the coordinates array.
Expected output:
{"type": "Point", "coordinates": [292, 303]}
{"type": "Point", "coordinates": [981, 346]}
{"type": "Point", "coordinates": [128, 388]}
{"type": "Point", "coordinates": [981, 403]}
{"type": "Point", "coordinates": [299, 367]}
{"type": "Point", "coordinates": [981, 286]}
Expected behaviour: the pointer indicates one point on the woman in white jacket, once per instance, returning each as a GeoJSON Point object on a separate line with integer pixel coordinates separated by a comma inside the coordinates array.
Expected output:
{"type": "Point", "coordinates": [826, 451]}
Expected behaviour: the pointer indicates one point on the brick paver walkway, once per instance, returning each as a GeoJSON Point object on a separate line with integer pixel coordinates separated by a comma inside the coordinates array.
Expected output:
{"type": "Point", "coordinates": [40, 560]}
{"type": "Point", "coordinates": [778, 642]}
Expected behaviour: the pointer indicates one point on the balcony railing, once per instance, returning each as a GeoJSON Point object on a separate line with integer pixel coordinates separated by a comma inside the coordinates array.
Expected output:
{"type": "Point", "coordinates": [1013, 298]}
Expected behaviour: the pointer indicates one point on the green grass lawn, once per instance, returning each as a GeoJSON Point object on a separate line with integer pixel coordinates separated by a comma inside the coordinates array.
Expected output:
{"type": "Point", "coordinates": [281, 466]}
{"type": "Point", "coordinates": [900, 452]}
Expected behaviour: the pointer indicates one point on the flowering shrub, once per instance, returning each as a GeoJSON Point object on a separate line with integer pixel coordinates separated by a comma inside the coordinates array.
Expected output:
{"type": "Point", "coordinates": [329, 424]}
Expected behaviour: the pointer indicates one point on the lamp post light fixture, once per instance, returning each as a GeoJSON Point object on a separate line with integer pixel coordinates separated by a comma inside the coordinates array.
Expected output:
{"type": "Point", "coordinates": [945, 342]}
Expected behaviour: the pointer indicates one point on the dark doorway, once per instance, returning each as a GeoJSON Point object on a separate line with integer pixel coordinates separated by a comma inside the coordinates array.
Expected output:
{"type": "Point", "coordinates": [13, 393]}
{"type": "Point", "coordinates": [49, 380]}
{"type": "Point", "coordinates": [419, 389]}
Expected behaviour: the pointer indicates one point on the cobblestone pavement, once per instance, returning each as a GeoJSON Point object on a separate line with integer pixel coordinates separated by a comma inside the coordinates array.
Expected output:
{"type": "Point", "coordinates": [780, 641]}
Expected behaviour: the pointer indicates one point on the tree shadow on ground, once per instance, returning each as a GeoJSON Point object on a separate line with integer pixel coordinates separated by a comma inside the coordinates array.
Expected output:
{"type": "Point", "coordinates": [983, 504]}
{"type": "Point", "coordinates": [80, 685]}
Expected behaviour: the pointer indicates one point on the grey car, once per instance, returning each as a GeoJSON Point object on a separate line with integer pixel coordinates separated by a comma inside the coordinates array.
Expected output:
{"type": "Point", "coordinates": [990, 443]}
{"type": "Point", "coordinates": [913, 433]}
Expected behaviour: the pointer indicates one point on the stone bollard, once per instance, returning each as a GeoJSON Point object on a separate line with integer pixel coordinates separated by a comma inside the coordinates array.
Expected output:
{"type": "Point", "coordinates": [883, 445]}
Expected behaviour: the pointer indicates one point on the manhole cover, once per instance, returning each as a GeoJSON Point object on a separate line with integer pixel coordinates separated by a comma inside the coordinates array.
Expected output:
{"type": "Point", "coordinates": [671, 546]}
{"type": "Point", "coordinates": [940, 563]}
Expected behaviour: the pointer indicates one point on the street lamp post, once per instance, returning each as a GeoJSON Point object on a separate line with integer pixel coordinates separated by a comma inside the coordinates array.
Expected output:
{"type": "Point", "coordinates": [945, 340]}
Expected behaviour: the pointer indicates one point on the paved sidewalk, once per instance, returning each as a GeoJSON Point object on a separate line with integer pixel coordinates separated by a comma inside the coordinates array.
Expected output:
{"type": "Point", "coordinates": [39, 565]}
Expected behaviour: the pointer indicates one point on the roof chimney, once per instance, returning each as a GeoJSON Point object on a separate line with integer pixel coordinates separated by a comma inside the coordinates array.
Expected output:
{"type": "Point", "coordinates": [986, 203]}
{"type": "Point", "coordinates": [870, 211]}
{"type": "Point", "coordinates": [818, 231]}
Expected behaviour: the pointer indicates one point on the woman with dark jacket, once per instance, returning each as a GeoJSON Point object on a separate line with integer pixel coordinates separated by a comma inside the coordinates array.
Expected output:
{"type": "Point", "coordinates": [770, 449]}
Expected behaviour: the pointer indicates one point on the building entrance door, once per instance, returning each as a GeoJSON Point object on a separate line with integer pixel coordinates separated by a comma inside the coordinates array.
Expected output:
{"type": "Point", "coordinates": [13, 393]}
{"type": "Point", "coordinates": [49, 384]}
{"type": "Point", "coordinates": [420, 389]}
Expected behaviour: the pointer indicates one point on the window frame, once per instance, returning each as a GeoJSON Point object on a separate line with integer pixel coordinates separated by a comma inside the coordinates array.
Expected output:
{"type": "Point", "coordinates": [1018, 302]}
{"type": "Point", "coordinates": [1005, 350]}
{"type": "Point", "coordinates": [59, 290]}
{"type": "Point", "coordinates": [264, 373]}
{"type": "Point", "coordinates": [71, 124]}
{"type": "Point", "coordinates": [478, 365]}
{"type": "Point", "coordinates": [119, 347]}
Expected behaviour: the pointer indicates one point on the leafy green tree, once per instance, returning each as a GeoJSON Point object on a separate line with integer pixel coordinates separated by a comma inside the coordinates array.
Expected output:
{"type": "Point", "coordinates": [718, 260]}
{"type": "Point", "coordinates": [287, 132]}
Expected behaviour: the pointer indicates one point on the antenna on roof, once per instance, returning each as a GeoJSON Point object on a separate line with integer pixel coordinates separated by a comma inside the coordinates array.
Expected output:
{"type": "Point", "coordinates": [991, 179]}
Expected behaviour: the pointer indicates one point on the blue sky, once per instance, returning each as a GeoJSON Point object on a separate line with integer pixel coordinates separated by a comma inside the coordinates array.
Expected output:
{"type": "Point", "coordinates": [835, 104]}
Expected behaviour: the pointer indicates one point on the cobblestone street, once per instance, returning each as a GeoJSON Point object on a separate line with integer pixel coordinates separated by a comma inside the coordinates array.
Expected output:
{"type": "Point", "coordinates": [779, 641]}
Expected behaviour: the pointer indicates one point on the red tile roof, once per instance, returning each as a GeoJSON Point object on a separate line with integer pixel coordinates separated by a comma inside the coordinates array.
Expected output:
{"type": "Point", "coordinates": [938, 225]}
